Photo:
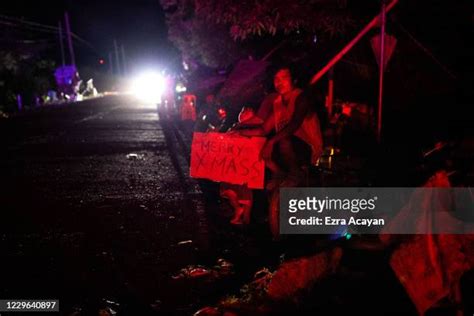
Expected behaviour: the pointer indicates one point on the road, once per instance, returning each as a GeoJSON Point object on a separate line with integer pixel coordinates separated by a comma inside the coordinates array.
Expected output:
{"type": "Point", "coordinates": [98, 211]}
{"type": "Point", "coordinates": [97, 205]}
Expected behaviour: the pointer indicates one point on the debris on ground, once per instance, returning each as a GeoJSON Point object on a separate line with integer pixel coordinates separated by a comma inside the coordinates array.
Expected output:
{"type": "Point", "coordinates": [286, 285]}
{"type": "Point", "coordinates": [110, 308]}
{"type": "Point", "coordinates": [208, 311]}
{"type": "Point", "coordinates": [223, 268]}
{"type": "Point", "coordinates": [134, 156]}
{"type": "Point", "coordinates": [299, 274]}
{"type": "Point", "coordinates": [185, 242]}
{"type": "Point", "coordinates": [104, 312]}
{"type": "Point", "coordinates": [192, 272]}
{"type": "Point", "coordinates": [156, 305]}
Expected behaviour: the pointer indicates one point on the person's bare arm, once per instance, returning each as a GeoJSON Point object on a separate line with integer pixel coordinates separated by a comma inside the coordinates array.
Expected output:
{"type": "Point", "coordinates": [302, 108]}
{"type": "Point", "coordinates": [262, 130]}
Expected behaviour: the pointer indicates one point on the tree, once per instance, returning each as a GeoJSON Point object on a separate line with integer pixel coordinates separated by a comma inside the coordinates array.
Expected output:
{"type": "Point", "coordinates": [258, 17]}
{"type": "Point", "coordinates": [25, 67]}
{"type": "Point", "coordinates": [199, 40]}
{"type": "Point", "coordinates": [26, 74]}
{"type": "Point", "coordinates": [218, 32]}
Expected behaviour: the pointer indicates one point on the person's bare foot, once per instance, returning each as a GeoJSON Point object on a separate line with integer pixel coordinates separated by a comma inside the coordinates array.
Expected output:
{"type": "Point", "coordinates": [236, 222]}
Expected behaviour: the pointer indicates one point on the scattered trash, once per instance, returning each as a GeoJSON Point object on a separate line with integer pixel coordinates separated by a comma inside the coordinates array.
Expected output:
{"type": "Point", "coordinates": [286, 285]}
{"type": "Point", "coordinates": [301, 274]}
{"type": "Point", "coordinates": [199, 272]}
{"type": "Point", "coordinates": [222, 269]}
{"type": "Point", "coordinates": [253, 293]}
{"type": "Point", "coordinates": [171, 217]}
{"type": "Point", "coordinates": [263, 273]}
{"type": "Point", "coordinates": [3, 115]}
{"type": "Point", "coordinates": [192, 272]}
{"type": "Point", "coordinates": [207, 311]}
{"type": "Point", "coordinates": [224, 263]}
{"type": "Point", "coordinates": [134, 156]}
{"type": "Point", "coordinates": [109, 309]}
{"type": "Point", "coordinates": [156, 305]}
{"type": "Point", "coordinates": [104, 312]}
{"type": "Point", "coordinates": [184, 242]}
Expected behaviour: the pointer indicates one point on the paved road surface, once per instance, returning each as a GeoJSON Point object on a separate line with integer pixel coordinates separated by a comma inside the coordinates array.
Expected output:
{"type": "Point", "coordinates": [82, 222]}
{"type": "Point", "coordinates": [97, 205]}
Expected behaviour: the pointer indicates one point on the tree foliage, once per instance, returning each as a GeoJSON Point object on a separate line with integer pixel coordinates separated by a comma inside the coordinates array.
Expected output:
{"type": "Point", "coordinates": [213, 32]}
{"type": "Point", "coordinates": [27, 74]}
{"type": "Point", "coordinates": [199, 39]}
{"type": "Point", "coordinates": [257, 17]}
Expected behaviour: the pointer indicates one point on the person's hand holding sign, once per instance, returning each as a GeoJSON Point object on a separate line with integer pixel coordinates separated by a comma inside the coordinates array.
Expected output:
{"type": "Point", "coordinates": [233, 131]}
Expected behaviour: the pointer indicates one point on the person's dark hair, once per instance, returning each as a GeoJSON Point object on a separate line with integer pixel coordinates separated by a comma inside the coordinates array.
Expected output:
{"type": "Point", "coordinates": [291, 67]}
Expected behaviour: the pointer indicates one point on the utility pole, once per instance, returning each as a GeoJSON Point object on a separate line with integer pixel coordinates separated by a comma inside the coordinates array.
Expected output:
{"type": "Point", "coordinates": [117, 58]}
{"type": "Point", "coordinates": [381, 72]}
{"type": "Point", "coordinates": [375, 21]}
{"type": "Point", "coordinates": [330, 100]}
{"type": "Point", "coordinates": [19, 102]}
{"type": "Point", "coordinates": [69, 39]}
{"type": "Point", "coordinates": [124, 63]}
{"type": "Point", "coordinates": [111, 63]}
{"type": "Point", "coordinates": [60, 28]}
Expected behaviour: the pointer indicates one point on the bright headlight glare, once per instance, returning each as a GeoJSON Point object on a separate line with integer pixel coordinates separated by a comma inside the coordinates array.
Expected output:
{"type": "Point", "coordinates": [149, 87]}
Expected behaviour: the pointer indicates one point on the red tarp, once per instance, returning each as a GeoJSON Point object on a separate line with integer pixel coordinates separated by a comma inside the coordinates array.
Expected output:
{"type": "Point", "coordinates": [430, 266]}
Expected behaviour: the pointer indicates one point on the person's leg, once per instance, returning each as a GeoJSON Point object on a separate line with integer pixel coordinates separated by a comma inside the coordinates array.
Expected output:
{"type": "Point", "coordinates": [231, 195]}
{"type": "Point", "coordinates": [246, 202]}
{"type": "Point", "coordinates": [245, 199]}
{"type": "Point", "coordinates": [288, 154]}
{"type": "Point", "coordinates": [276, 167]}
{"type": "Point", "coordinates": [273, 166]}
{"type": "Point", "coordinates": [239, 213]}
{"type": "Point", "coordinates": [295, 154]}
{"type": "Point", "coordinates": [272, 163]}
{"type": "Point", "coordinates": [246, 209]}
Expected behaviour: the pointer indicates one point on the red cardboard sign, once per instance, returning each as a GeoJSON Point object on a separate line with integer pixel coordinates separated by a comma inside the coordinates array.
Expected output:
{"type": "Point", "coordinates": [228, 158]}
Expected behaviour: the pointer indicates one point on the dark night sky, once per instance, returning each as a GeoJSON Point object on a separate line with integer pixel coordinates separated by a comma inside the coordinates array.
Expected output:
{"type": "Point", "coordinates": [138, 24]}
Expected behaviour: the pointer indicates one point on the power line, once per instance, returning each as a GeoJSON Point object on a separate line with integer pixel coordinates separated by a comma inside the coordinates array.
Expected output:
{"type": "Point", "coordinates": [26, 41]}
{"type": "Point", "coordinates": [27, 22]}
{"type": "Point", "coordinates": [27, 27]}
{"type": "Point", "coordinates": [427, 51]}
{"type": "Point", "coordinates": [34, 26]}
